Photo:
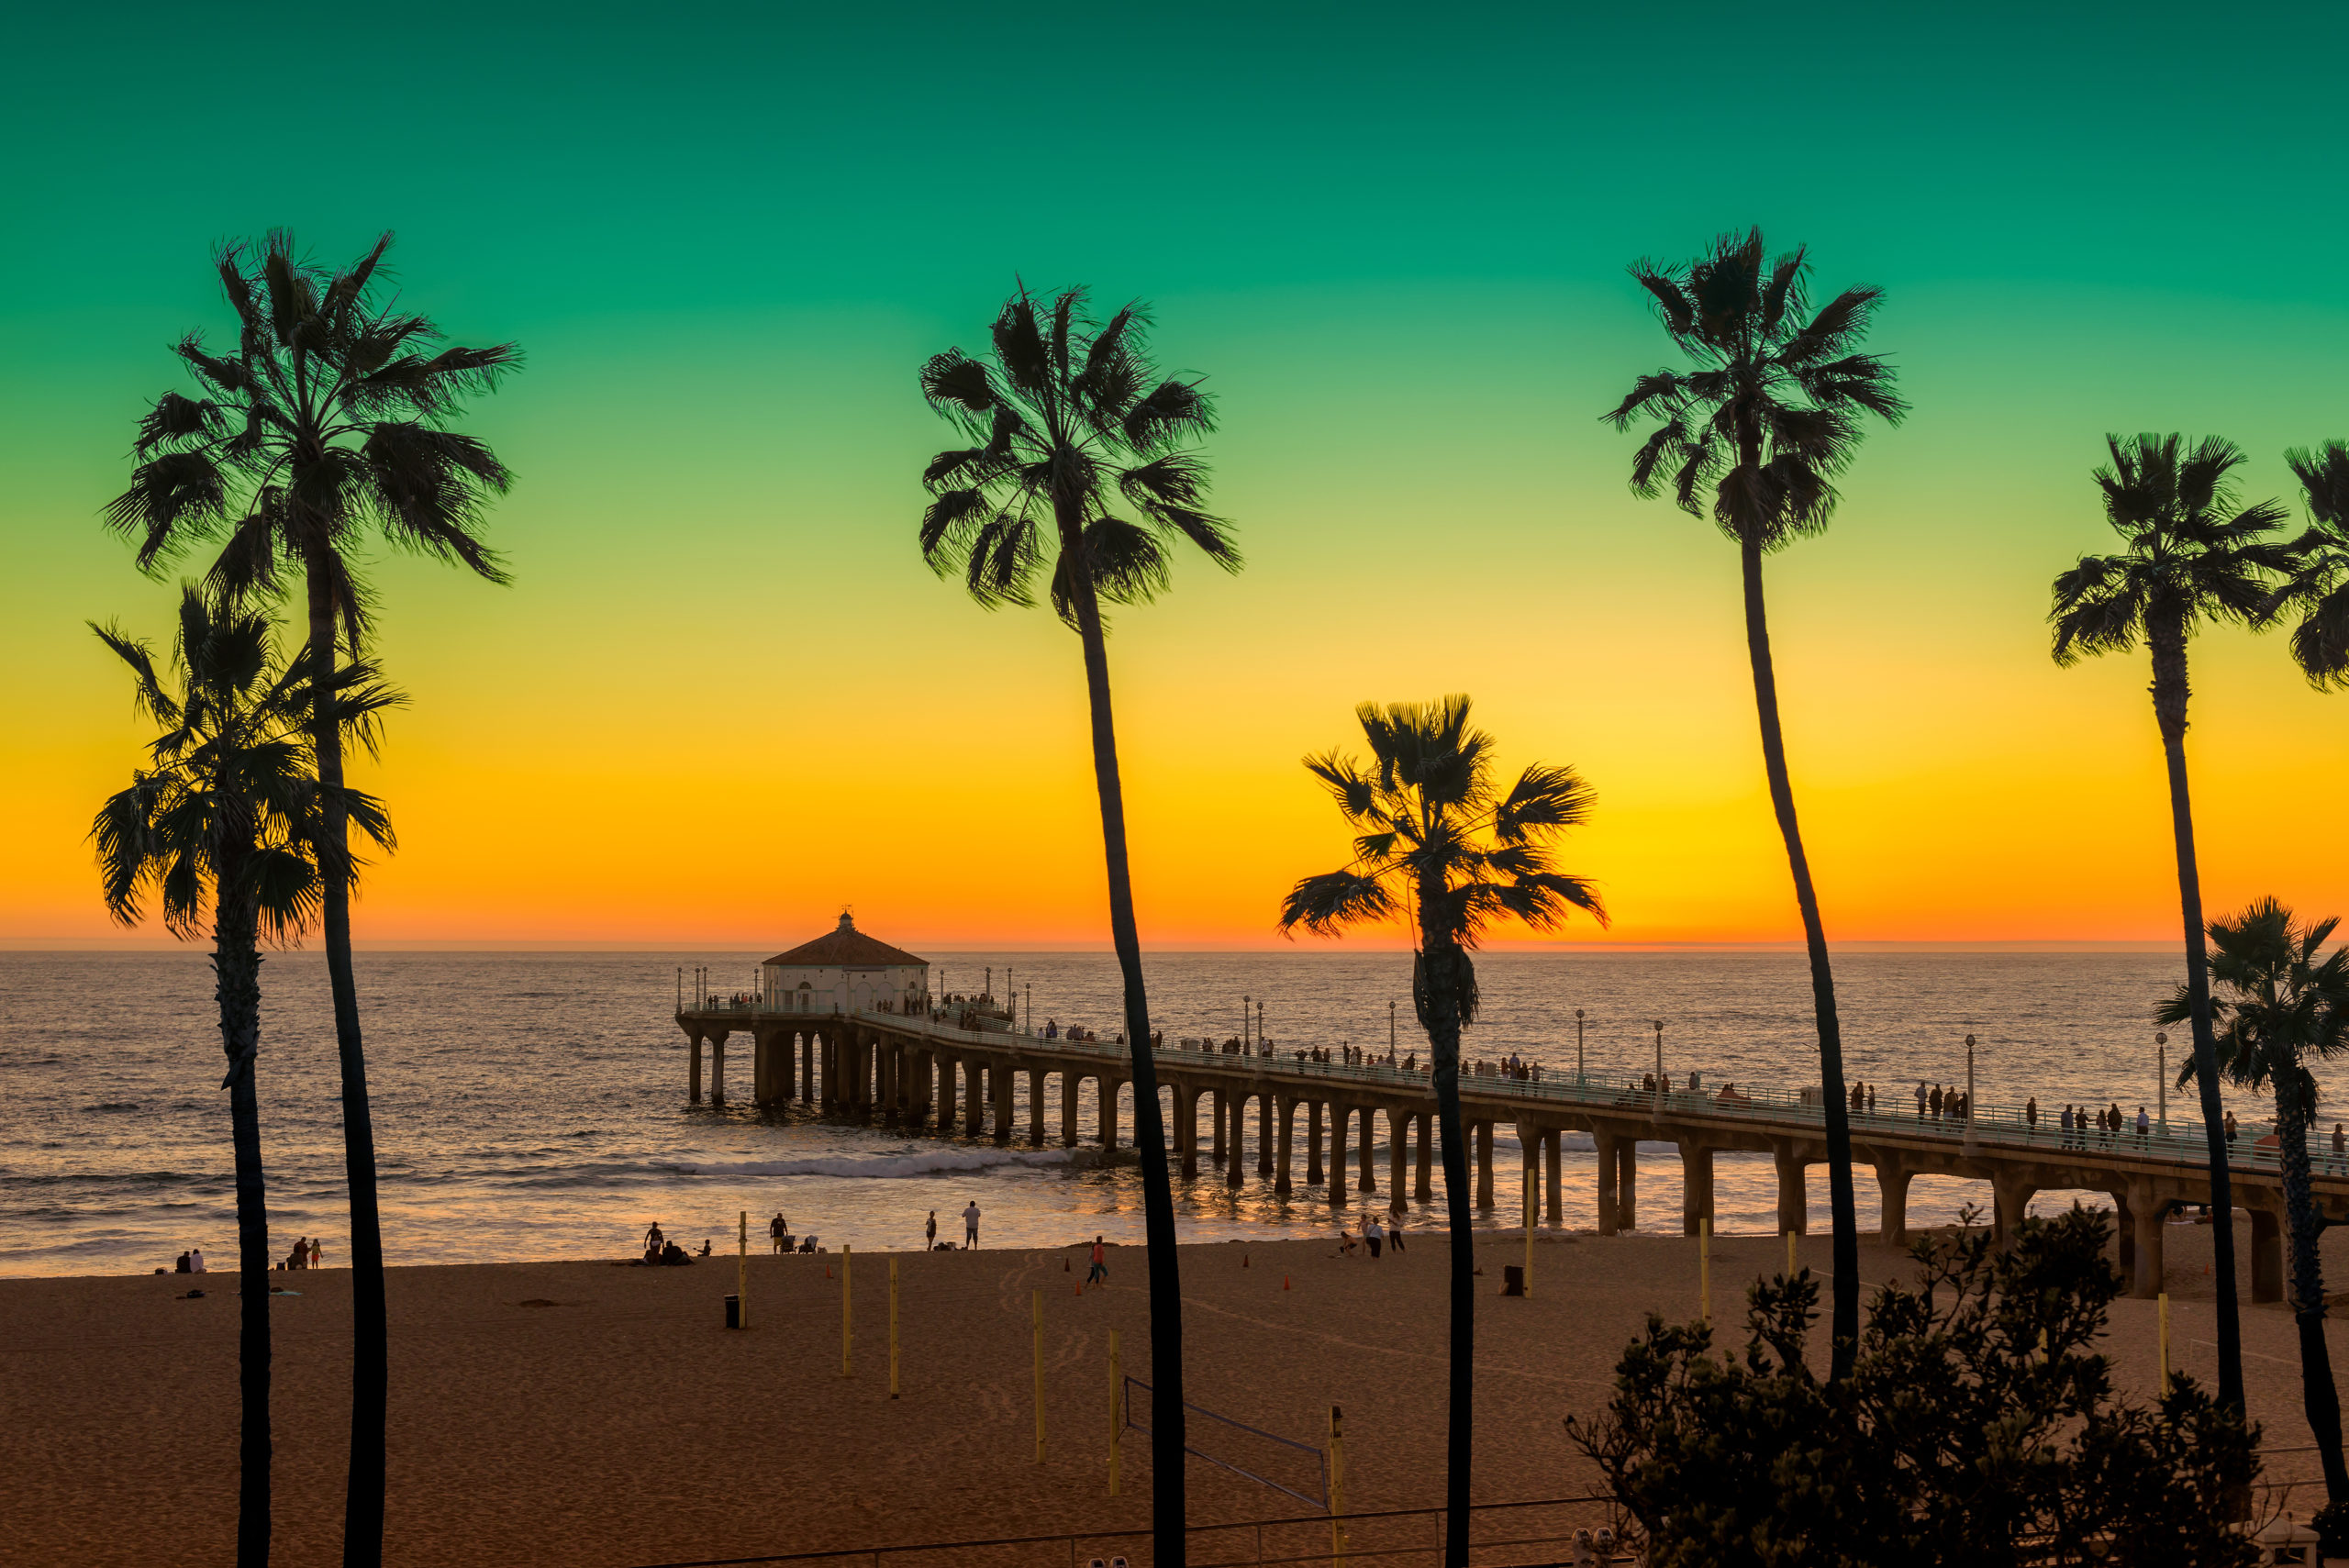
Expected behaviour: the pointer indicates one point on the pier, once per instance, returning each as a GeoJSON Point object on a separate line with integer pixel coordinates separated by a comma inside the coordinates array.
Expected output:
{"type": "Point", "coordinates": [912, 1070]}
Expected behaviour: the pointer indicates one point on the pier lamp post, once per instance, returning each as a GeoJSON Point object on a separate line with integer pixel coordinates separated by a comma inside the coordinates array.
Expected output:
{"type": "Point", "coordinates": [1032, 1006]}
{"type": "Point", "coordinates": [1243, 1022]}
{"type": "Point", "coordinates": [1260, 1023]}
{"type": "Point", "coordinates": [1577, 1047]}
{"type": "Point", "coordinates": [1659, 1069]}
{"type": "Point", "coordinates": [2161, 1079]}
{"type": "Point", "coordinates": [1390, 1026]}
{"type": "Point", "coordinates": [1970, 1145]}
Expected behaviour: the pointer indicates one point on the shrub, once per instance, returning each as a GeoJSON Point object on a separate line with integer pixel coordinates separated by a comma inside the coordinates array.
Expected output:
{"type": "Point", "coordinates": [1978, 1427]}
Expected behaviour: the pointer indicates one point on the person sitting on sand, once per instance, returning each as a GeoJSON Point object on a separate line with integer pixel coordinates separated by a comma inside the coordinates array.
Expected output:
{"type": "Point", "coordinates": [196, 1254]}
{"type": "Point", "coordinates": [705, 1246]}
{"type": "Point", "coordinates": [181, 1266]}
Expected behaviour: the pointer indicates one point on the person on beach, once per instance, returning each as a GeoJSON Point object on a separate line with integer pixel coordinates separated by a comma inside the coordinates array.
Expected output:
{"type": "Point", "coordinates": [316, 1254]}
{"type": "Point", "coordinates": [1372, 1236]}
{"type": "Point", "coordinates": [652, 1239]}
{"type": "Point", "coordinates": [196, 1254]}
{"type": "Point", "coordinates": [181, 1267]}
{"type": "Point", "coordinates": [971, 1224]}
{"type": "Point", "coordinates": [1395, 1234]}
{"type": "Point", "coordinates": [930, 1233]}
{"type": "Point", "coordinates": [1100, 1273]}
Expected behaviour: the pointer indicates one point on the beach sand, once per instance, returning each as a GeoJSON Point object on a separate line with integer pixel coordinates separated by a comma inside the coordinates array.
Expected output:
{"type": "Point", "coordinates": [623, 1424]}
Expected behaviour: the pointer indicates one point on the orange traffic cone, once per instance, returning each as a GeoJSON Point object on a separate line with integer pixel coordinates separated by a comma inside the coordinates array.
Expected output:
{"type": "Point", "coordinates": [1283, 1282]}
{"type": "Point", "coordinates": [827, 1271]}
{"type": "Point", "coordinates": [1243, 1260]}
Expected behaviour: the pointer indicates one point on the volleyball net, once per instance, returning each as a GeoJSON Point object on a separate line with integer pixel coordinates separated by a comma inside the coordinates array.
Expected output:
{"type": "Point", "coordinates": [1291, 1468]}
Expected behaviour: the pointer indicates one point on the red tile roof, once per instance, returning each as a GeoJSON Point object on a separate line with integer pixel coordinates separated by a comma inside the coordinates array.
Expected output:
{"type": "Point", "coordinates": [845, 947]}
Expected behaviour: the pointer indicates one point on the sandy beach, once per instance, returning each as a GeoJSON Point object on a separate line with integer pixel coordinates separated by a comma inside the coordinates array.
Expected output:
{"type": "Point", "coordinates": [597, 1414]}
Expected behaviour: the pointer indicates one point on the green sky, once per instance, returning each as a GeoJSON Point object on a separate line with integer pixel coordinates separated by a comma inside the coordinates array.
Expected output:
{"type": "Point", "coordinates": [723, 694]}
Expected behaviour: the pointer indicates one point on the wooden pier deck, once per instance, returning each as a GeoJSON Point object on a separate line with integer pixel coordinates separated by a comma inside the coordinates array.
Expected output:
{"type": "Point", "coordinates": [914, 1072]}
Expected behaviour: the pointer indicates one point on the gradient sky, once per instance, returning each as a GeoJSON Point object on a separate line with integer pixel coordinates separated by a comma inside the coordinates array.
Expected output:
{"type": "Point", "coordinates": [724, 697]}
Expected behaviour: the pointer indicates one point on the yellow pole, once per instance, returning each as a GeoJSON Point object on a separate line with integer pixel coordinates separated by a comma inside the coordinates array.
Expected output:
{"type": "Point", "coordinates": [1337, 1486]}
{"type": "Point", "coordinates": [1705, 1264]}
{"type": "Point", "coordinates": [846, 1253]}
{"type": "Point", "coordinates": [1531, 1196]}
{"type": "Point", "coordinates": [2163, 1301]}
{"type": "Point", "coordinates": [892, 1327]}
{"type": "Point", "coordinates": [1036, 1317]}
{"type": "Point", "coordinates": [1791, 1269]}
{"type": "Point", "coordinates": [743, 1274]}
{"type": "Point", "coordinates": [1117, 1410]}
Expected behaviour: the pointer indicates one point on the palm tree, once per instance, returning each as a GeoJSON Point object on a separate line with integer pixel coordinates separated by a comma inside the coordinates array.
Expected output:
{"type": "Point", "coordinates": [1756, 431]}
{"type": "Point", "coordinates": [2285, 1003]}
{"type": "Point", "coordinates": [1439, 848]}
{"type": "Point", "coordinates": [2318, 584]}
{"type": "Point", "coordinates": [1069, 419]}
{"type": "Point", "coordinates": [330, 417]}
{"type": "Point", "coordinates": [2189, 554]}
{"type": "Point", "coordinates": [221, 821]}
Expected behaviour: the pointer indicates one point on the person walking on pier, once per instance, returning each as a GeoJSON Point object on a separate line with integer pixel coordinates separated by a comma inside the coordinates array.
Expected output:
{"type": "Point", "coordinates": [2340, 1149]}
{"type": "Point", "coordinates": [2030, 1114]}
{"type": "Point", "coordinates": [1934, 1102]}
{"type": "Point", "coordinates": [971, 1224]}
{"type": "Point", "coordinates": [2144, 1127]}
{"type": "Point", "coordinates": [1920, 1099]}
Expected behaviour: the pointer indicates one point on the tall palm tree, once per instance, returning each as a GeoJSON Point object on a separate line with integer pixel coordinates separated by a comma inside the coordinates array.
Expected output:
{"type": "Point", "coordinates": [220, 822]}
{"type": "Point", "coordinates": [2189, 554]}
{"type": "Point", "coordinates": [1755, 431]}
{"type": "Point", "coordinates": [328, 420]}
{"type": "Point", "coordinates": [2318, 584]}
{"type": "Point", "coordinates": [2283, 1003]}
{"type": "Point", "coordinates": [1073, 425]}
{"type": "Point", "coordinates": [1439, 848]}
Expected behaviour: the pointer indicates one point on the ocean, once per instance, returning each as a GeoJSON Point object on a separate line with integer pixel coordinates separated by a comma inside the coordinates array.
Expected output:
{"type": "Point", "coordinates": [533, 1105]}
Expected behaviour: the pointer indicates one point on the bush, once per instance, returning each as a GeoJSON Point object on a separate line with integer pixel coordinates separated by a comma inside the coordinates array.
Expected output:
{"type": "Point", "coordinates": [1978, 1427]}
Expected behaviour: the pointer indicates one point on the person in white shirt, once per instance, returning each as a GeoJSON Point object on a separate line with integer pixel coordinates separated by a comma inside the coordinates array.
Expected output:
{"type": "Point", "coordinates": [195, 1260]}
{"type": "Point", "coordinates": [971, 1224]}
{"type": "Point", "coordinates": [1371, 1235]}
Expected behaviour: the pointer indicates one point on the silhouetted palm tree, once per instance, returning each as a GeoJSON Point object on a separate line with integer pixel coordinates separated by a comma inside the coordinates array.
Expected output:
{"type": "Point", "coordinates": [1074, 425]}
{"type": "Point", "coordinates": [328, 421]}
{"type": "Point", "coordinates": [2283, 1003]}
{"type": "Point", "coordinates": [1438, 848]}
{"type": "Point", "coordinates": [1755, 433]}
{"type": "Point", "coordinates": [2317, 586]}
{"type": "Point", "coordinates": [2189, 554]}
{"type": "Point", "coordinates": [220, 821]}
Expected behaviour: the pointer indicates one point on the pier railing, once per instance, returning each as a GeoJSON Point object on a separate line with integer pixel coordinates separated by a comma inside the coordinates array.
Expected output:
{"type": "Point", "coordinates": [2006, 1128]}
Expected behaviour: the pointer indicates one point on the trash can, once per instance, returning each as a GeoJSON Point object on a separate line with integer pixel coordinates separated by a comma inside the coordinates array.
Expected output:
{"type": "Point", "coordinates": [733, 1311]}
{"type": "Point", "coordinates": [1512, 1279]}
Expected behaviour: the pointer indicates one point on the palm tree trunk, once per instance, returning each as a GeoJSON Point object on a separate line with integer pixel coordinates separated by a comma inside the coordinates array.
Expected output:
{"type": "Point", "coordinates": [236, 967]}
{"type": "Point", "coordinates": [2170, 692]}
{"type": "Point", "coordinates": [1436, 993]}
{"type": "Point", "coordinates": [1169, 1512]}
{"type": "Point", "coordinates": [362, 1512]}
{"type": "Point", "coordinates": [1845, 1321]}
{"type": "Point", "coordinates": [2318, 1400]}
